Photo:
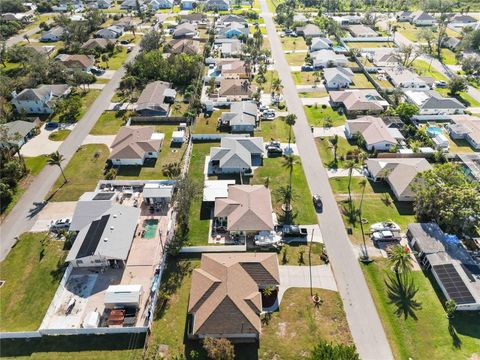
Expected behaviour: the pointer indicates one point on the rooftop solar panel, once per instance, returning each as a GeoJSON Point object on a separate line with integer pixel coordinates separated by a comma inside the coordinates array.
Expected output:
{"type": "Point", "coordinates": [453, 284]}
{"type": "Point", "coordinates": [103, 196]}
{"type": "Point", "coordinates": [93, 236]}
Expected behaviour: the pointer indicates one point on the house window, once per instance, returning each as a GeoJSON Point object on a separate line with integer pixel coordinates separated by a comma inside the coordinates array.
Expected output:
{"type": "Point", "coordinates": [98, 261]}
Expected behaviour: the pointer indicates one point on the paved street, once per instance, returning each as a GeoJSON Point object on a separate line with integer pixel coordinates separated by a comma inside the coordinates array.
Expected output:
{"type": "Point", "coordinates": [362, 316]}
{"type": "Point", "coordinates": [19, 220]}
{"type": "Point", "coordinates": [20, 37]}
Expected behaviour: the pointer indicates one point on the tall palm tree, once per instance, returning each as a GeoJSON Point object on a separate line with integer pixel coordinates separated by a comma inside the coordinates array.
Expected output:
{"type": "Point", "coordinates": [288, 163]}
{"type": "Point", "coordinates": [363, 184]}
{"type": "Point", "coordinates": [350, 165]}
{"type": "Point", "coordinates": [400, 259]}
{"type": "Point", "coordinates": [334, 142]}
{"type": "Point", "coordinates": [56, 159]}
{"type": "Point", "coordinates": [276, 86]}
{"type": "Point", "coordinates": [290, 121]}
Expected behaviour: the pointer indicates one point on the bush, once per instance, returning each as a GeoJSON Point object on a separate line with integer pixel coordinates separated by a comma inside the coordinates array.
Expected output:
{"type": "Point", "coordinates": [324, 106]}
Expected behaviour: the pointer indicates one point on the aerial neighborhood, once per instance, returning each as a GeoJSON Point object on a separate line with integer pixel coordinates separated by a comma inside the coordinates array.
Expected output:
{"type": "Point", "coordinates": [219, 179]}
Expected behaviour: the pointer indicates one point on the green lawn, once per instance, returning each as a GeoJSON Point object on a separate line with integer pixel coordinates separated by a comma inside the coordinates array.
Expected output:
{"type": "Point", "coordinates": [59, 135]}
{"type": "Point", "coordinates": [116, 61]}
{"type": "Point", "coordinates": [86, 98]}
{"type": "Point", "coordinates": [278, 176]}
{"type": "Point", "coordinates": [31, 273]}
{"type": "Point", "coordinates": [208, 125]}
{"type": "Point", "coordinates": [35, 164]}
{"type": "Point", "coordinates": [448, 57]}
{"type": "Point", "coordinates": [462, 96]}
{"type": "Point", "coordinates": [379, 204]}
{"type": "Point", "coordinates": [83, 172]}
{"type": "Point", "coordinates": [305, 78]}
{"type": "Point", "coordinates": [369, 44]}
{"type": "Point", "coordinates": [431, 335]}
{"type": "Point", "coordinates": [299, 325]}
{"type": "Point", "coordinates": [360, 81]}
{"type": "Point", "coordinates": [153, 170]}
{"type": "Point", "coordinates": [423, 68]}
{"type": "Point", "coordinates": [325, 150]}
{"type": "Point", "coordinates": [317, 115]}
{"type": "Point", "coordinates": [293, 254]}
{"type": "Point", "coordinates": [313, 94]}
{"type": "Point", "coordinates": [295, 59]}
{"type": "Point", "coordinates": [383, 83]}
{"type": "Point", "coordinates": [270, 76]}
{"type": "Point", "coordinates": [274, 129]}
{"type": "Point", "coordinates": [293, 43]}
{"type": "Point", "coordinates": [110, 122]}
{"type": "Point", "coordinates": [199, 219]}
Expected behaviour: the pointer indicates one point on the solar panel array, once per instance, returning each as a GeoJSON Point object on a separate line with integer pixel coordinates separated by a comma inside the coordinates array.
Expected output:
{"type": "Point", "coordinates": [103, 196]}
{"type": "Point", "coordinates": [453, 284]}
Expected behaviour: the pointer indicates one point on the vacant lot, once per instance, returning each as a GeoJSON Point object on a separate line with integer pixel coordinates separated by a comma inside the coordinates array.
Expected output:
{"type": "Point", "coordinates": [31, 271]}
{"type": "Point", "coordinates": [270, 76]}
{"type": "Point", "coordinates": [293, 43]}
{"type": "Point", "coordinates": [360, 81]}
{"type": "Point", "coordinates": [298, 254]}
{"type": "Point", "coordinates": [82, 172]}
{"type": "Point", "coordinates": [325, 149]}
{"type": "Point", "coordinates": [423, 68]}
{"type": "Point", "coordinates": [370, 44]}
{"type": "Point", "coordinates": [296, 59]}
{"type": "Point", "coordinates": [110, 122]}
{"type": "Point", "coordinates": [426, 333]}
{"type": "Point", "coordinates": [306, 78]}
{"type": "Point", "coordinates": [317, 115]}
{"type": "Point", "coordinates": [274, 129]}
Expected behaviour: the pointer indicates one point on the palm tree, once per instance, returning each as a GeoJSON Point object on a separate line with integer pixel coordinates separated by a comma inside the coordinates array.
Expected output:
{"type": "Point", "coordinates": [276, 86]}
{"type": "Point", "coordinates": [350, 165]}
{"type": "Point", "coordinates": [171, 170]}
{"type": "Point", "coordinates": [290, 121]}
{"type": "Point", "coordinates": [286, 193]}
{"type": "Point", "coordinates": [400, 259]}
{"type": "Point", "coordinates": [288, 163]}
{"type": "Point", "coordinates": [55, 159]}
{"type": "Point", "coordinates": [334, 142]}
{"type": "Point", "coordinates": [363, 184]}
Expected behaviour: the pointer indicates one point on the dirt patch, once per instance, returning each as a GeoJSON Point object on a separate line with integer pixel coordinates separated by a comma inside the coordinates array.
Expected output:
{"type": "Point", "coordinates": [282, 329]}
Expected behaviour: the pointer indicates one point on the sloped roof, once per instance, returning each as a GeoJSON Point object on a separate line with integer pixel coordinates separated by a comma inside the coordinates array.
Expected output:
{"type": "Point", "coordinates": [358, 30]}
{"type": "Point", "coordinates": [358, 100]}
{"type": "Point", "coordinates": [236, 152]}
{"type": "Point", "coordinates": [132, 142]}
{"type": "Point", "coordinates": [184, 29]}
{"type": "Point", "coordinates": [225, 296]}
{"type": "Point", "coordinates": [96, 42]}
{"type": "Point", "coordinates": [373, 129]}
{"type": "Point", "coordinates": [77, 61]}
{"type": "Point", "coordinates": [247, 208]}
{"type": "Point", "coordinates": [153, 96]}
{"type": "Point", "coordinates": [19, 127]}
{"type": "Point", "coordinates": [41, 92]}
{"type": "Point", "coordinates": [344, 73]}
{"type": "Point", "coordinates": [241, 113]}
{"type": "Point", "coordinates": [236, 87]}
{"type": "Point", "coordinates": [187, 46]}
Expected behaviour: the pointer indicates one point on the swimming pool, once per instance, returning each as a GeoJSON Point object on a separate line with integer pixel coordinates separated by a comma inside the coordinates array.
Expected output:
{"type": "Point", "coordinates": [434, 131]}
{"type": "Point", "coordinates": [150, 228]}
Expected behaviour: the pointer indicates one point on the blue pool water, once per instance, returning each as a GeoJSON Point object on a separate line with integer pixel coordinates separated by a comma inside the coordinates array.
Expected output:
{"type": "Point", "coordinates": [434, 131]}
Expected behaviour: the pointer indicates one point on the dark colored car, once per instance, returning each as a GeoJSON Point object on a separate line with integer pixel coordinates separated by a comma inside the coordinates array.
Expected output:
{"type": "Point", "coordinates": [51, 125]}
{"type": "Point", "coordinates": [307, 68]}
{"type": "Point", "coordinates": [294, 231]}
{"type": "Point", "coordinates": [317, 202]}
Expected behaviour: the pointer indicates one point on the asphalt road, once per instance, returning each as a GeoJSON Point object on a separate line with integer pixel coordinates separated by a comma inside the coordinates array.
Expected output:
{"type": "Point", "coordinates": [365, 325]}
{"type": "Point", "coordinates": [20, 37]}
{"type": "Point", "coordinates": [20, 219]}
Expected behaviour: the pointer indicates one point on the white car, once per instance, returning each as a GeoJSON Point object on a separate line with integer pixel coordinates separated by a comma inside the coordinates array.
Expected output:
{"type": "Point", "coordinates": [385, 235]}
{"type": "Point", "coordinates": [61, 224]}
{"type": "Point", "coordinates": [385, 225]}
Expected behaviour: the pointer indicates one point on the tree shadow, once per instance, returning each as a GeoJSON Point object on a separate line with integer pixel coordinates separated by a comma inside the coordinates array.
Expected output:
{"type": "Point", "coordinates": [456, 341]}
{"type": "Point", "coordinates": [350, 212]}
{"type": "Point", "coordinates": [401, 291]}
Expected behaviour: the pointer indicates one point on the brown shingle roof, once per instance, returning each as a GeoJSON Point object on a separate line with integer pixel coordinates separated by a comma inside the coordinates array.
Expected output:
{"type": "Point", "coordinates": [235, 87]}
{"type": "Point", "coordinates": [225, 296]}
{"type": "Point", "coordinates": [132, 142]}
{"type": "Point", "coordinates": [77, 61]}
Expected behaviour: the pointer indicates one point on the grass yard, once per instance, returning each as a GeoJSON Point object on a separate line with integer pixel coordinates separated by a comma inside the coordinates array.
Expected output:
{"type": "Point", "coordinates": [370, 44]}
{"type": "Point", "coordinates": [448, 57]}
{"type": "Point", "coordinates": [295, 59]}
{"type": "Point", "coordinates": [31, 272]}
{"type": "Point", "coordinates": [313, 94]}
{"type": "Point", "coordinates": [326, 151]}
{"type": "Point", "coordinates": [274, 129]}
{"type": "Point", "coordinates": [459, 146]}
{"type": "Point", "coordinates": [305, 78]}
{"type": "Point", "coordinates": [379, 204]}
{"type": "Point", "coordinates": [462, 96]}
{"type": "Point", "coordinates": [178, 108]}
{"type": "Point", "coordinates": [316, 115]}
{"type": "Point", "coordinates": [296, 328]}
{"type": "Point", "coordinates": [86, 98]}
{"type": "Point", "coordinates": [431, 335]}
{"type": "Point", "coordinates": [423, 68]}
{"type": "Point", "coordinates": [278, 176]}
{"type": "Point", "coordinates": [270, 76]}
{"type": "Point", "coordinates": [153, 169]}
{"type": "Point", "coordinates": [360, 81]}
{"type": "Point", "coordinates": [35, 164]}
{"type": "Point", "coordinates": [116, 61]}
{"type": "Point", "coordinates": [199, 219]}
{"type": "Point", "coordinates": [110, 122]}
{"type": "Point", "coordinates": [293, 43]}
{"type": "Point", "coordinates": [208, 125]}
{"type": "Point", "coordinates": [384, 83]}
{"type": "Point", "coordinates": [59, 135]}
{"type": "Point", "coordinates": [293, 254]}
{"type": "Point", "coordinates": [83, 172]}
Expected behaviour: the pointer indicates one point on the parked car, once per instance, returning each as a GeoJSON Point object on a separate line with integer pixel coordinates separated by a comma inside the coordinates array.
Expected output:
{"type": "Point", "coordinates": [307, 68]}
{"type": "Point", "coordinates": [273, 143]}
{"type": "Point", "coordinates": [262, 108]}
{"type": "Point", "coordinates": [60, 224]}
{"type": "Point", "coordinates": [274, 150]}
{"type": "Point", "coordinates": [51, 126]}
{"type": "Point", "coordinates": [317, 202]}
{"type": "Point", "coordinates": [129, 49]}
{"type": "Point", "coordinates": [441, 84]}
{"type": "Point", "coordinates": [293, 231]}
{"type": "Point", "coordinates": [385, 235]}
{"type": "Point", "coordinates": [268, 115]}
{"type": "Point", "coordinates": [385, 225]}
{"type": "Point", "coordinates": [125, 42]}
{"type": "Point", "coordinates": [97, 71]}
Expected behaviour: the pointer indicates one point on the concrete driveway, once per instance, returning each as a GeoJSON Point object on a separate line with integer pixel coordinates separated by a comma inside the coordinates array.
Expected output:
{"type": "Point", "coordinates": [99, 139]}
{"type": "Point", "coordinates": [325, 100]}
{"type": "Point", "coordinates": [299, 277]}
{"type": "Point", "coordinates": [40, 144]}
{"type": "Point", "coordinates": [51, 212]}
{"type": "Point", "coordinates": [331, 131]}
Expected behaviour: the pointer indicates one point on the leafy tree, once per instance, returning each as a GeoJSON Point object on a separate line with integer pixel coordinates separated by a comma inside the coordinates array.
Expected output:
{"type": "Point", "coordinates": [446, 196]}
{"type": "Point", "coordinates": [3, 54]}
{"type": "Point", "coordinates": [69, 108]}
{"type": "Point", "coordinates": [151, 41]}
{"type": "Point", "coordinates": [80, 78]}
{"type": "Point", "coordinates": [450, 307]}
{"type": "Point", "coordinates": [334, 142]}
{"type": "Point", "coordinates": [471, 66]}
{"type": "Point", "coordinates": [406, 111]}
{"type": "Point", "coordinates": [400, 258]}
{"type": "Point", "coordinates": [171, 170]}
{"type": "Point", "coordinates": [406, 54]}
{"type": "Point", "coordinates": [472, 40]}
{"type": "Point", "coordinates": [428, 36]}
{"type": "Point", "coordinates": [457, 84]}
{"type": "Point", "coordinates": [11, 6]}
{"type": "Point", "coordinates": [56, 159]}
{"type": "Point", "coordinates": [218, 349]}
{"type": "Point", "coordinates": [324, 350]}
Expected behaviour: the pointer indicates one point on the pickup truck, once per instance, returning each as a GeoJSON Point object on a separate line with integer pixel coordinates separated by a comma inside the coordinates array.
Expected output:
{"type": "Point", "coordinates": [293, 231]}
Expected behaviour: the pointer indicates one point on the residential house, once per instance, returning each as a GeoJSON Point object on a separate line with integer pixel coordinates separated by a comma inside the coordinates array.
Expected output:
{"type": "Point", "coordinates": [451, 43]}
{"type": "Point", "coordinates": [99, 44]}
{"type": "Point", "coordinates": [465, 127]}
{"type": "Point", "coordinates": [135, 144]}
{"type": "Point", "coordinates": [187, 4]}
{"type": "Point", "coordinates": [124, 22]}
{"type": "Point", "coordinates": [131, 4]}
{"type": "Point", "coordinates": [399, 173]}
{"type": "Point", "coordinates": [186, 46]}
{"type": "Point", "coordinates": [111, 32]}
{"type": "Point", "coordinates": [42, 49]}
{"type": "Point", "coordinates": [384, 59]}
{"type": "Point", "coordinates": [236, 155]}
{"type": "Point", "coordinates": [463, 19]}
{"type": "Point", "coordinates": [231, 68]}
{"type": "Point", "coordinates": [362, 31]}
{"type": "Point", "coordinates": [431, 102]}
{"type": "Point", "coordinates": [90, 206]}
{"type": "Point", "coordinates": [226, 295]}
{"type": "Point", "coordinates": [309, 31]}
{"type": "Point", "coordinates": [404, 16]}
{"type": "Point", "coordinates": [337, 77]}
{"type": "Point", "coordinates": [450, 263]}
{"type": "Point", "coordinates": [361, 101]}
{"type": "Point", "coordinates": [377, 135]}
{"type": "Point", "coordinates": [236, 89]}
{"type": "Point", "coordinates": [107, 239]}
{"type": "Point", "coordinates": [194, 18]}
{"type": "Point", "coordinates": [242, 117]}
{"type": "Point", "coordinates": [18, 132]}
{"type": "Point", "coordinates": [77, 62]}
{"type": "Point", "coordinates": [245, 212]}
{"type": "Point", "coordinates": [320, 43]}
{"type": "Point", "coordinates": [160, 4]}
{"type": "Point", "coordinates": [224, 20]}
{"type": "Point", "coordinates": [401, 77]}
{"type": "Point", "coordinates": [24, 18]}
{"type": "Point", "coordinates": [299, 18]}
{"type": "Point", "coordinates": [155, 99]}
{"type": "Point", "coordinates": [229, 47]}
{"type": "Point", "coordinates": [233, 30]}
{"type": "Point", "coordinates": [471, 165]}
{"type": "Point", "coordinates": [40, 100]}
{"type": "Point", "coordinates": [218, 5]}
{"type": "Point", "coordinates": [52, 35]}
{"type": "Point", "coordinates": [328, 58]}
{"type": "Point", "coordinates": [421, 18]}
{"type": "Point", "coordinates": [185, 30]}
{"type": "Point", "coordinates": [103, 4]}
